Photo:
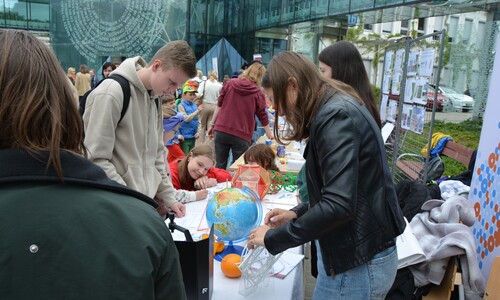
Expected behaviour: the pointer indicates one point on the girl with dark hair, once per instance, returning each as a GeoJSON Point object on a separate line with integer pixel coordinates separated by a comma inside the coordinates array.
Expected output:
{"type": "Point", "coordinates": [107, 68]}
{"type": "Point", "coordinates": [342, 61]}
{"type": "Point", "coordinates": [196, 170]}
{"type": "Point", "coordinates": [353, 215]}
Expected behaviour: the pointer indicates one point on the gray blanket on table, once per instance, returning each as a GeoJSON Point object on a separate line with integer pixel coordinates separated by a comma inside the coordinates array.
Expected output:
{"type": "Point", "coordinates": [443, 232]}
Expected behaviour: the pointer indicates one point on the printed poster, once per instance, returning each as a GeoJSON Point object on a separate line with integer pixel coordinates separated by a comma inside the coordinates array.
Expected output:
{"type": "Point", "coordinates": [406, 116]}
{"type": "Point", "coordinates": [409, 90]}
{"type": "Point", "coordinates": [420, 92]}
{"type": "Point", "coordinates": [398, 62]}
{"type": "Point", "coordinates": [485, 185]}
{"type": "Point", "coordinates": [386, 84]}
{"type": "Point", "coordinates": [411, 67]}
{"type": "Point", "coordinates": [426, 62]}
{"type": "Point", "coordinates": [383, 107]}
{"type": "Point", "coordinates": [417, 119]}
{"type": "Point", "coordinates": [392, 111]}
{"type": "Point", "coordinates": [389, 55]}
{"type": "Point", "coordinates": [396, 83]}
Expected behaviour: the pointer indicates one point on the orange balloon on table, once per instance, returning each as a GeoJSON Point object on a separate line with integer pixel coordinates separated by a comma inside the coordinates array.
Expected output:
{"type": "Point", "coordinates": [218, 247]}
{"type": "Point", "coordinates": [229, 265]}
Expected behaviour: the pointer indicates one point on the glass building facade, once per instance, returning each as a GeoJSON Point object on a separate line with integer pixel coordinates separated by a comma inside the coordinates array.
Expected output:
{"type": "Point", "coordinates": [94, 31]}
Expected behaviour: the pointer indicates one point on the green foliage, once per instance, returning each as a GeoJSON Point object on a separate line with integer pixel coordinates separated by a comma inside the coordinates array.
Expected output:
{"type": "Point", "coordinates": [376, 91]}
{"type": "Point", "coordinates": [466, 133]}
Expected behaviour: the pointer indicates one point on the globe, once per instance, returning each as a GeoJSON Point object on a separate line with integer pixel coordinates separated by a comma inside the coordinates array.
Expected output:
{"type": "Point", "coordinates": [234, 212]}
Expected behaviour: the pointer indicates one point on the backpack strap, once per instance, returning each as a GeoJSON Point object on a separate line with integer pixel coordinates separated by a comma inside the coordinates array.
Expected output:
{"type": "Point", "coordinates": [126, 92]}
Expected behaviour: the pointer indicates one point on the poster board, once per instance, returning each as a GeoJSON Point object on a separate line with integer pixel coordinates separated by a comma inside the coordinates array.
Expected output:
{"type": "Point", "coordinates": [485, 185]}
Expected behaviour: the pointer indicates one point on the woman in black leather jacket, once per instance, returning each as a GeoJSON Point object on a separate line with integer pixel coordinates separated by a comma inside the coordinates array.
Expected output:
{"type": "Point", "coordinates": [353, 215]}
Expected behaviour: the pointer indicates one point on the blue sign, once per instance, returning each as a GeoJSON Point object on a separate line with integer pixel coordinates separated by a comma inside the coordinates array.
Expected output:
{"type": "Point", "coordinates": [352, 20]}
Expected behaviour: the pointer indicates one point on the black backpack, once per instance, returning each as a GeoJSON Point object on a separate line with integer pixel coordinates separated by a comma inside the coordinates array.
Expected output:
{"type": "Point", "coordinates": [125, 89]}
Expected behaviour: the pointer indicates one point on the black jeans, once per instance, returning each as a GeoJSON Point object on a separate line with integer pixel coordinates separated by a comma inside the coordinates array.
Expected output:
{"type": "Point", "coordinates": [227, 142]}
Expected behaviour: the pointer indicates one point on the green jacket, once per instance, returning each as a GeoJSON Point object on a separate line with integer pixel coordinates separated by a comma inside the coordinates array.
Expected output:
{"type": "Point", "coordinates": [86, 238]}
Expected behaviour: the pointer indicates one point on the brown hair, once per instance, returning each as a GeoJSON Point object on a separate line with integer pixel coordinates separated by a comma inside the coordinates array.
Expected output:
{"type": "Point", "coordinates": [176, 55]}
{"type": "Point", "coordinates": [84, 69]}
{"type": "Point", "coordinates": [263, 155]}
{"type": "Point", "coordinates": [201, 150]}
{"type": "Point", "coordinates": [313, 90]}
{"type": "Point", "coordinates": [167, 112]}
{"type": "Point", "coordinates": [254, 73]}
{"type": "Point", "coordinates": [38, 112]}
{"type": "Point", "coordinates": [347, 66]}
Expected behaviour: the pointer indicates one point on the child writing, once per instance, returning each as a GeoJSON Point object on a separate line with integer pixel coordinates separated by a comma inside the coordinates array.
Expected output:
{"type": "Point", "coordinates": [196, 170]}
{"type": "Point", "coordinates": [171, 121]}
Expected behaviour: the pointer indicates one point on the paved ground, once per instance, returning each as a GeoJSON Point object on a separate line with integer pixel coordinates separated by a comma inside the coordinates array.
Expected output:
{"type": "Point", "coordinates": [452, 117]}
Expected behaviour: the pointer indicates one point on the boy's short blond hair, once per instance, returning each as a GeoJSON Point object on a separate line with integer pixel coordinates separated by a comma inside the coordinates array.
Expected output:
{"type": "Point", "coordinates": [176, 55]}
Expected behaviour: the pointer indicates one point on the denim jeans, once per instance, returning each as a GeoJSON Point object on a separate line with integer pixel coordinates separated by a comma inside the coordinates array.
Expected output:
{"type": "Point", "coordinates": [371, 280]}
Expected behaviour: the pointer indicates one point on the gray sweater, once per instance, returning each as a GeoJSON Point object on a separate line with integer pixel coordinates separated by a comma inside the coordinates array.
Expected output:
{"type": "Point", "coordinates": [443, 231]}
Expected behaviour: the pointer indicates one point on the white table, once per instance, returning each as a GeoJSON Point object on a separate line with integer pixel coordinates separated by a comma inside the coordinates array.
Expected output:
{"type": "Point", "coordinates": [291, 287]}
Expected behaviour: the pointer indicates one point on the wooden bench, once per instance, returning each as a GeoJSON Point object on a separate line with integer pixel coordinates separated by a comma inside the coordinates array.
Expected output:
{"type": "Point", "coordinates": [412, 164]}
{"type": "Point", "coordinates": [493, 285]}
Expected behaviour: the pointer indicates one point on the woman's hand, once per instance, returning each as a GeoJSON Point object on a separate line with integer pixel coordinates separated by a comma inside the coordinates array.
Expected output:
{"type": "Point", "coordinates": [204, 182]}
{"type": "Point", "coordinates": [210, 132]}
{"type": "Point", "coordinates": [256, 237]}
{"type": "Point", "coordinates": [278, 217]}
{"type": "Point", "coordinates": [201, 194]}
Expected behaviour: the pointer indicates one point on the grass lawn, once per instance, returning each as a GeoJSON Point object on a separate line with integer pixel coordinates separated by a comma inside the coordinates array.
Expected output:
{"type": "Point", "coordinates": [466, 133]}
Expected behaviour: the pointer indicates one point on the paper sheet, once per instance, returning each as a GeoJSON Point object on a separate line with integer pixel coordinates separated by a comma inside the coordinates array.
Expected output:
{"type": "Point", "coordinates": [287, 262]}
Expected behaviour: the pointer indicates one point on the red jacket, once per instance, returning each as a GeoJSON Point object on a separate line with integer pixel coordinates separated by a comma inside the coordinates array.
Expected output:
{"type": "Point", "coordinates": [219, 174]}
{"type": "Point", "coordinates": [240, 100]}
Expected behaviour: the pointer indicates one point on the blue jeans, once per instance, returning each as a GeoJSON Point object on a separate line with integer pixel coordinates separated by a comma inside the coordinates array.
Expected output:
{"type": "Point", "coordinates": [371, 280]}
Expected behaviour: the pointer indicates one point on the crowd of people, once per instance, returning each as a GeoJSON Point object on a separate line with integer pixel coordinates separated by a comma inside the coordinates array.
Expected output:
{"type": "Point", "coordinates": [91, 190]}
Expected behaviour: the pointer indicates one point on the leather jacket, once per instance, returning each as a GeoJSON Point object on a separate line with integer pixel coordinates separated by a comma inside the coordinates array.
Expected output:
{"type": "Point", "coordinates": [353, 209]}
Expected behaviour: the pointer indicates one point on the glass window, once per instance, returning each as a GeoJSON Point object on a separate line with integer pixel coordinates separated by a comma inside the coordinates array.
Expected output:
{"type": "Point", "coordinates": [467, 31]}
{"type": "Point", "coordinates": [387, 27]}
{"type": "Point", "coordinates": [16, 14]}
{"type": "Point", "coordinates": [357, 5]}
{"type": "Point", "coordinates": [452, 29]}
{"type": "Point", "coordinates": [481, 27]}
{"type": "Point", "coordinates": [39, 16]}
{"type": "Point", "coordinates": [338, 7]}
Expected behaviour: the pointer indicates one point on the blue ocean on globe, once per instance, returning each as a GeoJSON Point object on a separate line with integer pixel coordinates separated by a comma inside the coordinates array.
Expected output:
{"type": "Point", "coordinates": [234, 212]}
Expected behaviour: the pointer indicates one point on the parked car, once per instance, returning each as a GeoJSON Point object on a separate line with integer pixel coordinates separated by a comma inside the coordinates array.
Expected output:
{"type": "Point", "coordinates": [450, 99]}
{"type": "Point", "coordinates": [430, 99]}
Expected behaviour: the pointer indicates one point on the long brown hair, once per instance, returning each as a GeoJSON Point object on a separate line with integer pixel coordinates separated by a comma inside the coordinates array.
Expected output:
{"type": "Point", "coordinates": [347, 66]}
{"type": "Point", "coordinates": [313, 90]}
{"type": "Point", "coordinates": [184, 177]}
{"type": "Point", "coordinates": [38, 112]}
{"type": "Point", "coordinates": [263, 155]}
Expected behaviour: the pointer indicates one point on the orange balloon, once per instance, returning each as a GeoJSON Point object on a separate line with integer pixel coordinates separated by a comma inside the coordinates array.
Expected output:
{"type": "Point", "coordinates": [218, 247]}
{"type": "Point", "coordinates": [229, 265]}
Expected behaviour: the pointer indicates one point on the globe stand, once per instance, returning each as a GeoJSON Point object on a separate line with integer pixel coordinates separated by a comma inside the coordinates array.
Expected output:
{"type": "Point", "coordinates": [229, 249]}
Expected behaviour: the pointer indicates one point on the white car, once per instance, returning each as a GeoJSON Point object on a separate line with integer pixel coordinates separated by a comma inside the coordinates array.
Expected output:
{"type": "Point", "coordinates": [454, 100]}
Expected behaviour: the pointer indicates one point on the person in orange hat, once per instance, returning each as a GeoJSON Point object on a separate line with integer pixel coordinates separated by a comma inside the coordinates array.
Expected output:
{"type": "Point", "coordinates": [187, 106]}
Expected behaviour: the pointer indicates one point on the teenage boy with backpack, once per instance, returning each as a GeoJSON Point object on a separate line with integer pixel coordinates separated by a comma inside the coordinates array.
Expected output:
{"type": "Point", "coordinates": [131, 150]}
